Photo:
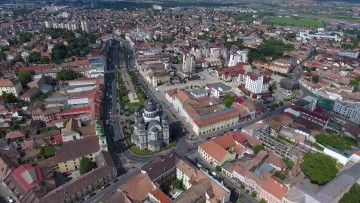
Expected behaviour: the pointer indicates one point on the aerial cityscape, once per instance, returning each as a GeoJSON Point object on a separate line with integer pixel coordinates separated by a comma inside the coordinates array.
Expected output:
{"type": "Point", "coordinates": [179, 101]}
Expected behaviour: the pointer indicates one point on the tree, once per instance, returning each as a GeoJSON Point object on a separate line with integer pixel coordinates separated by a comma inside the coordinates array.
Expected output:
{"type": "Point", "coordinates": [175, 60]}
{"type": "Point", "coordinates": [319, 168]}
{"type": "Point", "coordinates": [280, 175]}
{"type": "Point", "coordinates": [24, 37]}
{"type": "Point", "coordinates": [353, 196]}
{"type": "Point", "coordinates": [273, 86]}
{"type": "Point", "coordinates": [288, 162]}
{"type": "Point", "coordinates": [177, 184]}
{"type": "Point", "coordinates": [315, 79]}
{"type": "Point", "coordinates": [258, 148]}
{"type": "Point", "coordinates": [25, 77]}
{"type": "Point", "coordinates": [354, 83]}
{"type": "Point", "coordinates": [262, 201]}
{"type": "Point", "coordinates": [281, 103]}
{"type": "Point", "coordinates": [290, 35]}
{"type": "Point", "coordinates": [253, 194]}
{"type": "Point", "coordinates": [2, 56]}
{"type": "Point", "coordinates": [34, 57]}
{"type": "Point", "coordinates": [8, 97]}
{"type": "Point", "coordinates": [313, 69]}
{"type": "Point", "coordinates": [59, 52]}
{"type": "Point", "coordinates": [68, 74]}
{"type": "Point", "coordinates": [218, 168]}
{"type": "Point", "coordinates": [86, 165]}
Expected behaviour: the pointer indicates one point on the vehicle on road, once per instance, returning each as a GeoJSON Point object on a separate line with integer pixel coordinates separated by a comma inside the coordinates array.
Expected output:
{"type": "Point", "coordinates": [105, 186]}
{"type": "Point", "coordinates": [116, 180]}
{"type": "Point", "coordinates": [189, 149]}
{"type": "Point", "coordinates": [198, 165]}
{"type": "Point", "coordinates": [9, 199]}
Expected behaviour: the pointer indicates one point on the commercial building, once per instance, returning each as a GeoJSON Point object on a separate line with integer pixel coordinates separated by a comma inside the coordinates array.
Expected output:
{"type": "Point", "coordinates": [240, 56]}
{"type": "Point", "coordinates": [97, 64]}
{"type": "Point", "coordinates": [256, 84]}
{"type": "Point", "coordinates": [349, 111]}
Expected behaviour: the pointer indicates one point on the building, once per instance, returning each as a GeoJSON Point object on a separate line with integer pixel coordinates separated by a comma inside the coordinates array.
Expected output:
{"type": "Point", "coordinates": [97, 64]}
{"type": "Point", "coordinates": [240, 56]}
{"type": "Point", "coordinates": [257, 84]}
{"type": "Point", "coordinates": [158, 77]}
{"type": "Point", "coordinates": [30, 94]}
{"type": "Point", "coordinates": [221, 149]}
{"type": "Point", "coordinates": [289, 84]}
{"type": "Point", "coordinates": [188, 66]}
{"type": "Point", "coordinates": [81, 186]}
{"type": "Point", "coordinates": [10, 86]}
{"type": "Point", "coordinates": [318, 35]}
{"type": "Point", "coordinates": [162, 168]}
{"type": "Point", "coordinates": [86, 26]}
{"type": "Point", "coordinates": [69, 154]}
{"type": "Point", "coordinates": [218, 90]}
{"type": "Point", "coordinates": [29, 183]}
{"type": "Point", "coordinates": [280, 66]}
{"type": "Point", "coordinates": [204, 114]}
{"type": "Point", "coordinates": [341, 157]}
{"type": "Point", "coordinates": [151, 129]}
{"type": "Point", "coordinates": [199, 187]}
{"type": "Point", "coordinates": [349, 111]}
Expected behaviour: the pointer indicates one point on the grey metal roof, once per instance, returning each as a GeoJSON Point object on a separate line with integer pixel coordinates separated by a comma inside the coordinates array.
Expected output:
{"type": "Point", "coordinates": [220, 86]}
{"type": "Point", "coordinates": [198, 91]}
{"type": "Point", "coordinates": [265, 167]}
{"type": "Point", "coordinates": [346, 153]}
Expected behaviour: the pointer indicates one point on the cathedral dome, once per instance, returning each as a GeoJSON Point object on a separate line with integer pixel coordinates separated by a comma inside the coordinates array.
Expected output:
{"type": "Point", "coordinates": [150, 106]}
{"type": "Point", "coordinates": [164, 117]}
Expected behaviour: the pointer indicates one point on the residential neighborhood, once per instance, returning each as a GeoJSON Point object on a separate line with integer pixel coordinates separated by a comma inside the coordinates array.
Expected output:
{"type": "Point", "coordinates": [180, 101]}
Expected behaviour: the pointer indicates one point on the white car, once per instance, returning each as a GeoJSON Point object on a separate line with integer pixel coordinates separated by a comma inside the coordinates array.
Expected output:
{"type": "Point", "coordinates": [9, 199]}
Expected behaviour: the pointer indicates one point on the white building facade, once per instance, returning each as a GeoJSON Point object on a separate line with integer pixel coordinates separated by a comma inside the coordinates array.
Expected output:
{"type": "Point", "coordinates": [240, 56]}
{"type": "Point", "coordinates": [348, 111]}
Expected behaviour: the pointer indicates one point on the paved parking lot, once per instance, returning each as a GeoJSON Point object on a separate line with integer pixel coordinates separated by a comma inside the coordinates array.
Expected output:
{"type": "Point", "coordinates": [206, 79]}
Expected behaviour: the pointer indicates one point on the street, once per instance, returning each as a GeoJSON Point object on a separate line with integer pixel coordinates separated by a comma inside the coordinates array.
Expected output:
{"type": "Point", "coordinates": [116, 140]}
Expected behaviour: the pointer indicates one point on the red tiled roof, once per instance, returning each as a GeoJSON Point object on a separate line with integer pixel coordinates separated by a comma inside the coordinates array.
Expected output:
{"type": "Point", "coordinates": [96, 53]}
{"type": "Point", "coordinates": [160, 196]}
{"type": "Point", "coordinates": [214, 119]}
{"type": "Point", "coordinates": [275, 188]}
{"type": "Point", "coordinates": [56, 138]}
{"type": "Point", "coordinates": [240, 100]}
{"type": "Point", "coordinates": [21, 180]}
{"type": "Point", "coordinates": [238, 137]}
{"type": "Point", "coordinates": [214, 150]}
{"type": "Point", "coordinates": [37, 67]}
{"type": "Point", "coordinates": [76, 110]}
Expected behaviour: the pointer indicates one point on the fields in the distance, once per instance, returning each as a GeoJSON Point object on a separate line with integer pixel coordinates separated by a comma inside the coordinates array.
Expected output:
{"type": "Point", "coordinates": [301, 22]}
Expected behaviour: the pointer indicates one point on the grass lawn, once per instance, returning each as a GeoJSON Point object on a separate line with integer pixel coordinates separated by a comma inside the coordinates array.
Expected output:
{"type": "Point", "coordinates": [47, 151]}
{"type": "Point", "coordinates": [135, 150]}
{"type": "Point", "coordinates": [341, 143]}
{"type": "Point", "coordinates": [303, 22]}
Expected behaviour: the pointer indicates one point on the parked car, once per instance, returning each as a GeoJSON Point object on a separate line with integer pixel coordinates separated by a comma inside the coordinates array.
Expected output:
{"type": "Point", "coordinates": [67, 173]}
